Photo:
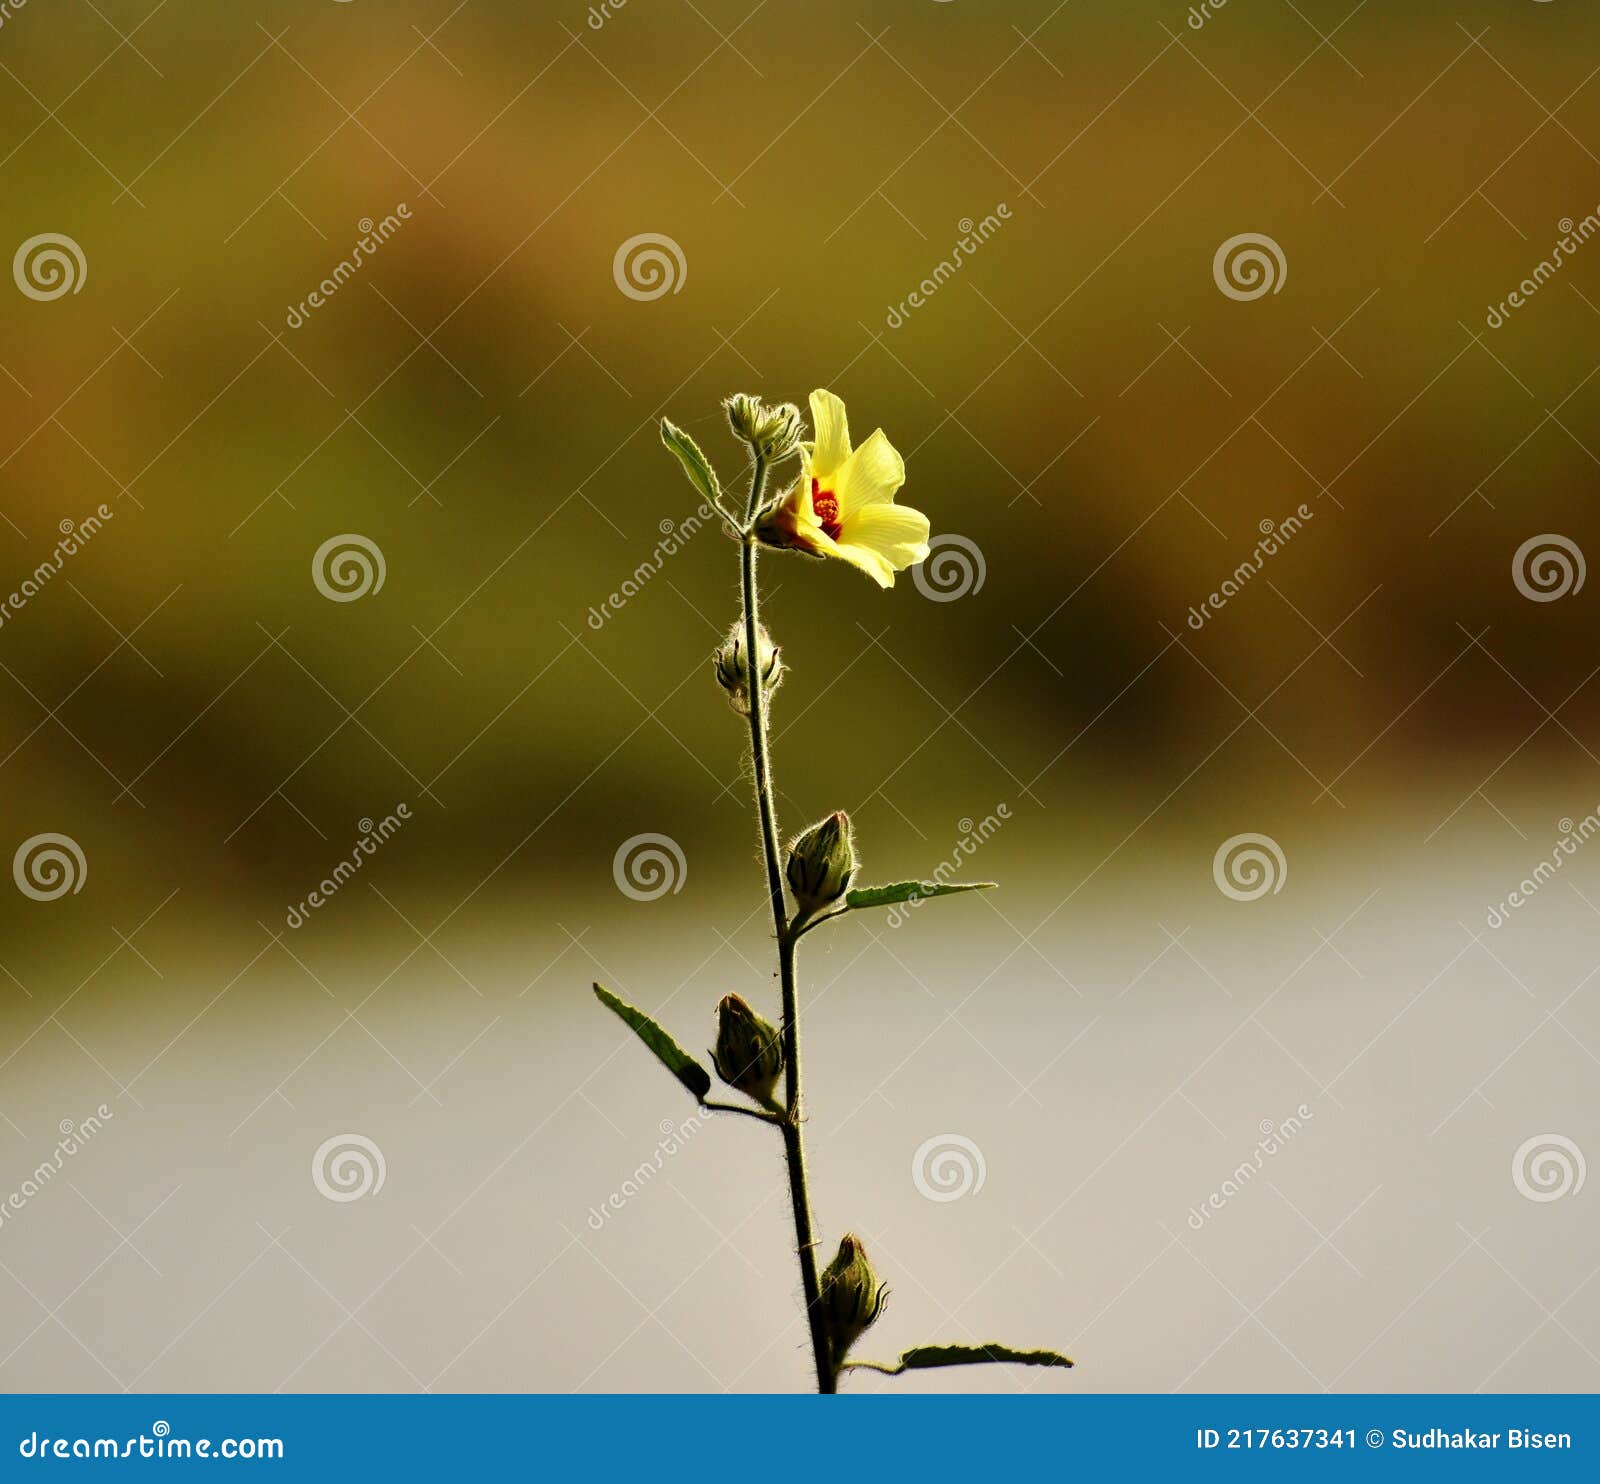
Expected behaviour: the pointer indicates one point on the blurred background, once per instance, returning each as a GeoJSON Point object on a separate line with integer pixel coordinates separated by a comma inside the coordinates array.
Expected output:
{"type": "Point", "coordinates": [1320, 1127]}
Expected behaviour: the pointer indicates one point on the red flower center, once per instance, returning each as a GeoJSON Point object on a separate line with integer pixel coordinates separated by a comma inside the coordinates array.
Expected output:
{"type": "Point", "coordinates": [825, 505]}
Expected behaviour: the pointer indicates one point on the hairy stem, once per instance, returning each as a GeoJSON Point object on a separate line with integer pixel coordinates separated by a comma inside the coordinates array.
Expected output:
{"type": "Point", "coordinates": [795, 1157]}
{"type": "Point", "coordinates": [761, 1113]}
{"type": "Point", "coordinates": [793, 1143]}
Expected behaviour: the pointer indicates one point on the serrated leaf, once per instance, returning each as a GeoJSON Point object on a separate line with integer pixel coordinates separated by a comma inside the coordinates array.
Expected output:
{"type": "Point", "coordinates": [929, 1357]}
{"type": "Point", "coordinates": [925, 1357]}
{"type": "Point", "coordinates": [701, 475]}
{"type": "Point", "coordinates": [909, 891]}
{"type": "Point", "coordinates": [671, 1055]}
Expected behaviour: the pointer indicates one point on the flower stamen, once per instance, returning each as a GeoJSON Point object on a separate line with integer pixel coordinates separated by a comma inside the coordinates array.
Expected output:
{"type": "Point", "coordinates": [825, 505]}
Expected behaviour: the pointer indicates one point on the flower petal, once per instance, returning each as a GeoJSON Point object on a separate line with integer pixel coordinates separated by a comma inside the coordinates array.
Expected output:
{"type": "Point", "coordinates": [868, 560]}
{"type": "Point", "coordinates": [832, 429]}
{"type": "Point", "coordinates": [870, 476]}
{"type": "Point", "coordinates": [897, 534]}
{"type": "Point", "coordinates": [790, 523]}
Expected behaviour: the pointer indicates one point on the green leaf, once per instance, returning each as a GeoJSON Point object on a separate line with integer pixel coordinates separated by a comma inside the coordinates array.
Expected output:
{"type": "Point", "coordinates": [671, 1055]}
{"type": "Point", "coordinates": [928, 1357]}
{"type": "Point", "coordinates": [701, 475]}
{"type": "Point", "coordinates": [910, 891]}
{"type": "Point", "coordinates": [925, 1357]}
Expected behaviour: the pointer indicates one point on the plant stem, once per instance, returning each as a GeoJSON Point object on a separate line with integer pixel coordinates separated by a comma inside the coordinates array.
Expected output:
{"type": "Point", "coordinates": [793, 1144]}
{"type": "Point", "coordinates": [760, 1113]}
{"type": "Point", "coordinates": [795, 1157]}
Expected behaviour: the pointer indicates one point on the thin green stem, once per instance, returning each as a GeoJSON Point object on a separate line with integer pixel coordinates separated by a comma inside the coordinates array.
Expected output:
{"type": "Point", "coordinates": [803, 925]}
{"type": "Point", "coordinates": [761, 1113]}
{"type": "Point", "coordinates": [758, 486]}
{"type": "Point", "coordinates": [795, 1158]}
{"type": "Point", "coordinates": [793, 1143]}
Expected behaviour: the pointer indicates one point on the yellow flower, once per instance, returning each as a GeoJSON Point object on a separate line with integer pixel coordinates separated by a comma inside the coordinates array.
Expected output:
{"type": "Point", "coordinates": [843, 505]}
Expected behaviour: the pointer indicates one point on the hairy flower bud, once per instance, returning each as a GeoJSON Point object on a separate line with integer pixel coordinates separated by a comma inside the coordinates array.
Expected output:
{"type": "Point", "coordinates": [774, 432]}
{"type": "Point", "coordinates": [821, 862]}
{"type": "Point", "coordinates": [749, 1050]}
{"type": "Point", "coordinates": [849, 1295]}
{"type": "Point", "coordinates": [733, 670]}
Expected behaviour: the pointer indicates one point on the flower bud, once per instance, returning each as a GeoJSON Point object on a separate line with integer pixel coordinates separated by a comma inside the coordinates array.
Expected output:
{"type": "Point", "coordinates": [821, 862]}
{"type": "Point", "coordinates": [749, 1051]}
{"type": "Point", "coordinates": [733, 671]}
{"type": "Point", "coordinates": [774, 432]}
{"type": "Point", "coordinates": [849, 1295]}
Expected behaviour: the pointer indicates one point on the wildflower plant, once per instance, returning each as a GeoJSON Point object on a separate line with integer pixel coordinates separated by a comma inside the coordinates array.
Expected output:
{"type": "Point", "coordinates": [840, 505]}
